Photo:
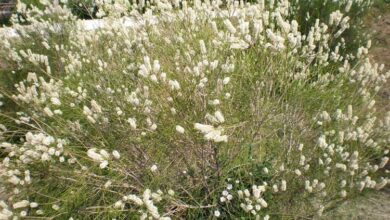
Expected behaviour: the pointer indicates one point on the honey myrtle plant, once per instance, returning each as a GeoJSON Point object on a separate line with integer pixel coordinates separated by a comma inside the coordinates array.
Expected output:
{"type": "Point", "coordinates": [201, 110]}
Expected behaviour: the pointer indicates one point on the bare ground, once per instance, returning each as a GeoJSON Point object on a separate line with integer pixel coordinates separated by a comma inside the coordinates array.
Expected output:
{"type": "Point", "coordinates": [380, 27]}
{"type": "Point", "coordinates": [372, 206]}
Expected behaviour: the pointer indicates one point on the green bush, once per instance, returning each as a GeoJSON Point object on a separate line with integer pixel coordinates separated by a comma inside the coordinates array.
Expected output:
{"type": "Point", "coordinates": [200, 112]}
{"type": "Point", "coordinates": [306, 13]}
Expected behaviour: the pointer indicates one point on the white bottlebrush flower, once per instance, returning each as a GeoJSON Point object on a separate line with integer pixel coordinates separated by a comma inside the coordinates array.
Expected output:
{"type": "Point", "coordinates": [55, 101]}
{"type": "Point", "coordinates": [350, 112]}
{"type": "Point", "coordinates": [132, 122]}
{"type": "Point", "coordinates": [32, 77]}
{"type": "Point", "coordinates": [174, 84]}
{"type": "Point", "coordinates": [211, 133]}
{"type": "Point", "coordinates": [225, 193]}
{"type": "Point", "coordinates": [171, 192]}
{"type": "Point", "coordinates": [153, 127]}
{"type": "Point", "coordinates": [107, 184]}
{"type": "Point", "coordinates": [320, 210]}
{"type": "Point", "coordinates": [214, 102]}
{"type": "Point", "coordinates": [226, 80]}
{"type": "Point", "coordinates": [230, 26]}
{"type": "Point", "coordinates": [156, 66]}
{"type": "Point", "coordinates": [104, 153]}
{"type": "Point", "coordinates": [103, 164]}
{"type": "Point", "coordinates": [216, 136]}
{"type": "Point", "coordinates": [256, 192]}
{"type": "Point", "coordinates": [204, 128]}
{"type": "Point", "coordinates": [119, 112]}
{"type": "Point", "coordinates": [48, 112]}
{"type": "Point", "coordinates": [343, 193]}
{"type": "Point", "coordinates": [180, 129]}
{"type": "Point", "coordinates": [91, 119]}
{"type": "Point", "coordinates": [348, 6]}
{"type": "Point", "coordinates": [33, 204]}
{"type": "Point", "coordinates": [203, 49]}
{"type": "Point", "coordinates": [283, 186]}
{"type": "Point", "coordinates": [263, 203]}
{"type": "Point", "coordinates": [116, 154]}
{"type": "Point", "coordinates": [135, 199]}
{"type": "Point", "coordinates": [381, 184]}
{"type": "Point", "coordinates": [371, 104]}
{"type": "Point", "coordinates": [55, 207]}
{"type": "Point", "coordinates": [95, 156]}
{"type": "Point", "coordinates": [57, 112]}
{"type": "Point", "coordinates": [153, 168]}
{"type": "Point", "coordinates": [218, 115]}
{"type": "Point", "coordinates": [343, 183]}
{"type": "Point", "coordinates": [275, 188]}
{"type": "Point", "coordinates": [23, 213]}
{"type": "Point", "coordinates": [240, 45]}
{"type": "Point", "coordinates": [96, 107]}
{"type": "Point", "coordinates": [119, 204]}
{"type": "Point", "coordinates": [154, 78]}
{"type": "Point", "coordinates": [341, 166]}
{"type": "Point", "coordinates": [322, 142]}
{"type": "Point", "coordinates": [21, 204]}
{"type": "Point", "coordinates": [384, 161]}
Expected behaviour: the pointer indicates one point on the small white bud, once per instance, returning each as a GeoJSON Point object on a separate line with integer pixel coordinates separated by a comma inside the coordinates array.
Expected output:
{"type": "Point", "coordinates": [154, 168]}
{"type": "Point", "coordinates": [180, 129]}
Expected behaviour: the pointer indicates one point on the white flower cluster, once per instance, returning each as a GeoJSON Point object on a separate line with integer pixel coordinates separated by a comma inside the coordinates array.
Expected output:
{"type": "Point", "coordinates": [211, 133]}
{"type": "Point", "coordinates": [254, 200]}
{"type": "Point", "coordinates": [40, 93]}
{"type": "Point", "coordinates": [148, 210]}
{"type": "Point", "coordinates": [93, 112]}
{"type": "Point", "coordinates": [37, 147]}
{"type": "Point", "coordinates": [102, 156]}
{"type": "Point", "coordinates": [6, 212]}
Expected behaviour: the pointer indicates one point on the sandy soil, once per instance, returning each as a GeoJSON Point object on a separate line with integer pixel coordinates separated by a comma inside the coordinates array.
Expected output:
{"type": "Point", "coordinates": [380, 52]}
{"type": "Point", "coordinates": [380, 27]}
{"type": "Point", "coordinates": [373, 206]}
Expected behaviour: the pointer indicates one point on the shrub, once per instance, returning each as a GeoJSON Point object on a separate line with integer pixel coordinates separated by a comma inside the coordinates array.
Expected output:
{"type": "Point", "coordinates": [306, 13]}
{"type": "Point", "coordinates": [201, 111]}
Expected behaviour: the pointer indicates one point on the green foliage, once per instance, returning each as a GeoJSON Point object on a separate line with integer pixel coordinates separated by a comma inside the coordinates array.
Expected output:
{"type": "Point", "coordinates": [292, 113]}
{"type": "Point", "coordinates": [83, 9]}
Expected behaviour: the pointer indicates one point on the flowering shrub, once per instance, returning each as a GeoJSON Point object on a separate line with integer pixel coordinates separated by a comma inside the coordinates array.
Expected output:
{"type": "Point", "coordinates": [307, 12]}
{"type": "Point", "coordinates": [203, 110]}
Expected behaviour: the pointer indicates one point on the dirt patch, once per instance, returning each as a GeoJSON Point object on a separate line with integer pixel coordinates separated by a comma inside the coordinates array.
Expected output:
{"type": "Point", "coordinates": [380, 28]}
{"type": "Point", "coordinates": [373, 206]}
{"type": "Point", "coordinates": [380, 52]}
